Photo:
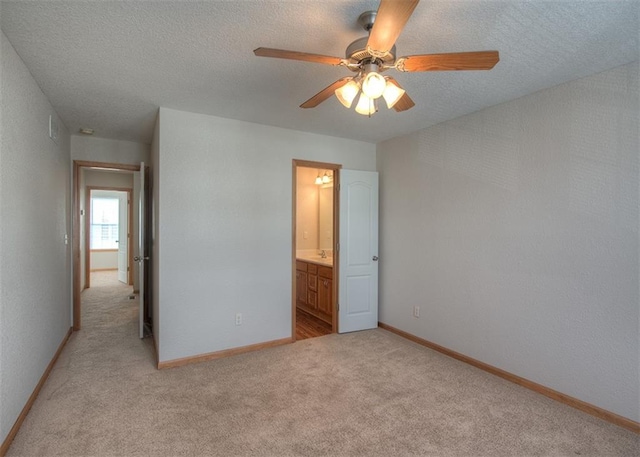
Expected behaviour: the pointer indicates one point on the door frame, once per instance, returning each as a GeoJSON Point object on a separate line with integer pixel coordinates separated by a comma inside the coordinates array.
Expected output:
{"type": "Point", "coordinates": [87, 228]}
{"type": "Point", "coordinates": [336, 238]}
{"type": "Point", "coordinates": [77, 165]}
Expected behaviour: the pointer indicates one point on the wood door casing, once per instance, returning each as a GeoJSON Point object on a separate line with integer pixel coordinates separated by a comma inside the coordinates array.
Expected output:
{"type": "Point", "coordinates": [336, 207]}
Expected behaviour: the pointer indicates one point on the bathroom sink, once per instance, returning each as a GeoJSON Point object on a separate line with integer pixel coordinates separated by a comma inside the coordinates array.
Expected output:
{"type": "Point", "coordinates": [318, 258]}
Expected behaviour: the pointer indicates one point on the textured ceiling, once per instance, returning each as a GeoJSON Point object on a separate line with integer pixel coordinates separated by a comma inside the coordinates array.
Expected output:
{"type": "Point", "coordinates": [109, 65]}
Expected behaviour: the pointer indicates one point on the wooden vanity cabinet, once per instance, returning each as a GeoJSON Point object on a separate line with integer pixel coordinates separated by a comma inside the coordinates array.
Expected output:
{"type": "Point", "coordinates": [301, 283]}
{"type": "Point", "coordinates": [325, 289]}
{"type": "Point", "coordinates": [312, 286]}
{"type": "Point", "coordinates": [314, 289]}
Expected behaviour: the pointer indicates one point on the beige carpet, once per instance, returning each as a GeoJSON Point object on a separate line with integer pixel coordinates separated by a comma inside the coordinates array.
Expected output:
{"type": "Point", "coordinates": [362, 394]}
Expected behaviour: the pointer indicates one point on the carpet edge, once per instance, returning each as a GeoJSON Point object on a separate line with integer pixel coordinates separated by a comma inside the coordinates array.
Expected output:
{"type": "Point", "coordinates": [220, 354]}
{"type": "Point", "coordinates": [32, 398]}
{"type": "Point", "coordinates": [568, 400]}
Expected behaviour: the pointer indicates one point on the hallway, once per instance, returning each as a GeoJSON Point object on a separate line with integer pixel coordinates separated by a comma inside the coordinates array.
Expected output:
{"type": "Point", "coordinates": [107, 307]}
{"type": "Point", "coordinates": [100, 371]}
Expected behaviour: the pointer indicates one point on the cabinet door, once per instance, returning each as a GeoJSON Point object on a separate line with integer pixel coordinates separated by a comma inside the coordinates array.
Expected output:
{"type": "Point", "coordinates": [324, 296]}
{"type": "Point", "coordinates": [312, 281]}
{"type": "Point", "coordinates": [312, 299]}
{"type": "Point", "coordinates": [301, 287]}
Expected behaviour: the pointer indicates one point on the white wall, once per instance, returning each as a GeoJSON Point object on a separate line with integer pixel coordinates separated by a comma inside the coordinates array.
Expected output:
{"type": "Point", "coordinates": [104, 178]}
{"type": "Point", "coordinates": [515, 229]}
{"type": "Point", "coordinates": [35, 262]}
{"type": "Point", "coordinates": [104, 260]}
{"type": "Point", "coordinates": [225, 211]}
{"type": "Point", "coordinates": [95, 149]}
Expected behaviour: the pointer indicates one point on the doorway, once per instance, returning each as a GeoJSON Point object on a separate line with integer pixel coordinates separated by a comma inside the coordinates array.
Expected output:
{"type": "Point", "coordinates": [81, 228]}
{"type": "Point", "coordinates": [314, 251]}
{"type": "Point", "coordinates": [108, 229]}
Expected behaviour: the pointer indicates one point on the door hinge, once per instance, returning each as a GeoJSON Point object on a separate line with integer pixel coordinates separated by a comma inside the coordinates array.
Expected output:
{"type": "Point", "coordinates": [338, 188]}
{"type": "Point", "coordinates": [127, 268]}
{"type": "Point", "coordinates": [337, 306]}
{"type": "Point", "coordinates": [337, 247]}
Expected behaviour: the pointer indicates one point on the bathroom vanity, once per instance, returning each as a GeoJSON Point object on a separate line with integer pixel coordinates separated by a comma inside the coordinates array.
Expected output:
{"type": "Point", "coordinates": [314, 286]}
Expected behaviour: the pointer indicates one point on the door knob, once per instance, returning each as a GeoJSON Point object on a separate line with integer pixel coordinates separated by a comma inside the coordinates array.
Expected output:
{"type": "Point", "coordinates": [140, 258]}
{"type": "Point", "coordinates": [375, 258]}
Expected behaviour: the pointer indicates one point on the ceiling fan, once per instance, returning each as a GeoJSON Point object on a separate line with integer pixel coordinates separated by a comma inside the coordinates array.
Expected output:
{"type": "Point", "coordinates": [368, 57]}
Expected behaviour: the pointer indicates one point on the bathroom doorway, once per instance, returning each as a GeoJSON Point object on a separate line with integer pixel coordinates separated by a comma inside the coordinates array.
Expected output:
{"type": "Point", "coordinates": [315, 253]}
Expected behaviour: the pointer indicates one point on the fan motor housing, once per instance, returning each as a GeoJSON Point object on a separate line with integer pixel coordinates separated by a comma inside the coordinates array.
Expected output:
{"type": "Point", "coordinates": [357, 53]}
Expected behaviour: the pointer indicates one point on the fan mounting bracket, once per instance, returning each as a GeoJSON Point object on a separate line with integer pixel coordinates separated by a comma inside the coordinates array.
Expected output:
{"type": "Point", "coordinates": [366, 20]}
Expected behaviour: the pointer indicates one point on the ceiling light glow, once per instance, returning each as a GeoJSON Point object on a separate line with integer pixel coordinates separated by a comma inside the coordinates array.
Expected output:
{"type": "Point", "coordinates": [366, 106]}
{"type": "Point", "coordinates": [392, 94]}
{"type": "Point", "coordinates": [347, 93]}
{"type": "Point", "coordinates": [373, 85]}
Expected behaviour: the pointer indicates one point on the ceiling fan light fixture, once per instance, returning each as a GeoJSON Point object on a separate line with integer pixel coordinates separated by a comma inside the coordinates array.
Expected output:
{"type": "Point", "coordinates": [372, 55]}
{"type": "Point", "coordinates": [373, 84]}
{"type": "Point", "coordinates": [366, 106]}
{"type": "Point", "coordinates": [347, 93]}
{"type": "Point", "coordinates": [392, 94]}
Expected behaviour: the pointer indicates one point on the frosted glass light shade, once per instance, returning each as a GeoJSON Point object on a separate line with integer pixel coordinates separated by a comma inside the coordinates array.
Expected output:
{"type": "Point", "coordinates": [373, 85]}
{"type": "Point", "coordinates": [318, 180]}
{"type": "Point", "coordinates": [365, 106]}
{"type": "Point", "coordinates": [392, 94]}
{"type": "Point", "coordinates": [347, 93]}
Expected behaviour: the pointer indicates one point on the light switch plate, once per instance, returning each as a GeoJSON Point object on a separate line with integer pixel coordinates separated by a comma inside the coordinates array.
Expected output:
{"type": "Point", "coordinates": [53, 128]}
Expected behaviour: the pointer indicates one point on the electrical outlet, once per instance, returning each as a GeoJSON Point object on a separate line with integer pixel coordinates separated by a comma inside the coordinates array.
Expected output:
{"type": "Point", "coordinates": [239, 319]}
{"type": "Point", "coordinates": [416, 311]}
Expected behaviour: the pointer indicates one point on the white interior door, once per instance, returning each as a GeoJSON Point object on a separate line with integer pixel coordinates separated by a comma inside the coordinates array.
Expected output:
{"type": "Point", "coordinates": [358, 285]}
{"type": "Point", "coordinates": [141, 259]}
{"type": "Point", "coordinates": [123, 238]}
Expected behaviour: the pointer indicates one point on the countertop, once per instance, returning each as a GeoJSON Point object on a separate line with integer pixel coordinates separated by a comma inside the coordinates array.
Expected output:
{"type": "Point", "coordinates": [328, 262]}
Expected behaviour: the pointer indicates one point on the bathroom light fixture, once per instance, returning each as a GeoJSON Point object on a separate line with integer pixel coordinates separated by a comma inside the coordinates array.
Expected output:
{"type": "Point", "coordinates": [324, 179]}
{"type": "Point", "coordinates": [86, 131]}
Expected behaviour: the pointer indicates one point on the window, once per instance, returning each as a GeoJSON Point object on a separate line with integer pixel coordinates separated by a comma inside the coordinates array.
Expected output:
{"type": "Point", "coordinates": [104, 223]}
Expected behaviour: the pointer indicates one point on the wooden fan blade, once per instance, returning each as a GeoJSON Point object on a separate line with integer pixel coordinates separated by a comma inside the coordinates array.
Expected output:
{"type": "Point", "coordinates": [390, 20]}
{"type": "Point", "coordinates": [295, 55]}
{"type": "Point", "coordinates": [404, 103]}
{"type": "Point", "coordinates": [325, 93]}
{"type": "Point", "coordinates": [480, 60]}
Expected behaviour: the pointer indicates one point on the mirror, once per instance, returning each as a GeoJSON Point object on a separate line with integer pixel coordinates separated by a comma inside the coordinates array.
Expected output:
{"type": "Point", "coordinates": [325, 217]}
{"type": "Point", "coordinates": [314, 211]}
